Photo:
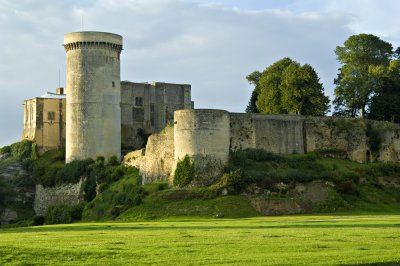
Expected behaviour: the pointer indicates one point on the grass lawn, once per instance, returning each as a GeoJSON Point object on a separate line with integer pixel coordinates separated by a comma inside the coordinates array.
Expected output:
{"type": "Point", "coordinates": [289, 240]}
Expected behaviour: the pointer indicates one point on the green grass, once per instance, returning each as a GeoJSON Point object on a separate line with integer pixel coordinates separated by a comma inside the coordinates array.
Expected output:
{"type": "Point", "coordinates": [228, 207]}
{"type": "Point", "coordinates": [289, 240]}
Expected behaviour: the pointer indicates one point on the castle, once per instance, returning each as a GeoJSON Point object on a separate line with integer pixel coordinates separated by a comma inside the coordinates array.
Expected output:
{"type": "Point", "coordinates": [102, 113]}
{"type": "Point", "coordinates": [99, 104]}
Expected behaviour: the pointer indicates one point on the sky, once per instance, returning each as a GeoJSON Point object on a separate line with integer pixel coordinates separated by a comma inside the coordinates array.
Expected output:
{"type": "Point", "coordinates": [211, 44]}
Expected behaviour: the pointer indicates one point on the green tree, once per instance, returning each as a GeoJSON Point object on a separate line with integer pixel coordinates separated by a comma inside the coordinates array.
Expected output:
{"type": "Point", "coordinates": [185, 172]}
{"type": "Point", "coordinates": [286, 87]}
{"type": "Point", "coordinates": [385, 104]}
{"type": "Point", "coordinates": [253, 78]}
{"type": "Point", "coordinates": [364, 60]}
{"type": "Point", "coordinates": [302, 93]}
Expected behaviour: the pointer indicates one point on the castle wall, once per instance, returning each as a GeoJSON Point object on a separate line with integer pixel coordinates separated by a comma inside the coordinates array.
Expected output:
{"type": "Point", "coordinates": [157, 162]}
{"type": "Point", "coordinates": [282, 134]}
{"type": "Point", "coordinates": [341, 134]}
{"type": "Point", "coordinates": [93, 95]}
{"type": "Point", "coordinates": [148, 108]}
{"type": "Point", "coordinates": [61, 194]}
{"type": "Point", "coordinates": [203, 135]}
{"type": "Point", "coordinates": [243, 134]}
{"type": "Point", "coordinates": [44, 122]}
{"type": "Point", "coordinates": [208, 136]}
{"type": "Point", "coordinates": [135, 113]}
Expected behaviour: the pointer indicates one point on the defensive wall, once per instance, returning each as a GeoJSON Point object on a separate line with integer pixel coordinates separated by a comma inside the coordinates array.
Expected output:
{"type": "Point", "coordinates": [209, 136]}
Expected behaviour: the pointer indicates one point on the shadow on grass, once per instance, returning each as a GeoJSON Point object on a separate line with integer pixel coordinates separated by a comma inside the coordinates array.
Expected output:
{"type": "Point", "coordinates": [43, 229]}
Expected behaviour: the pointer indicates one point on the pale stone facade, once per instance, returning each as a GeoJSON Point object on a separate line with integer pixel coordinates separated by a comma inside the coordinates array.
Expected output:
{"type": "Point", "coordinates": [148, 107]}
{"type": "Point", "coordinates": [44, 120]}
{"type": "Point", "coordinates": [93, 95]}
{"type": "Point", "coordinates": [101, 112]}
{"type": "Point", "coordinates": [209, 136]}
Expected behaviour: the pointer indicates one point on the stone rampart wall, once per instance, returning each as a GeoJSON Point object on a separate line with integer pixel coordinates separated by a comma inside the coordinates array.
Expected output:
{"type": "Point", "coordinates": [208, 136]}
{"type": "Point", "coordinates": [45, 197]}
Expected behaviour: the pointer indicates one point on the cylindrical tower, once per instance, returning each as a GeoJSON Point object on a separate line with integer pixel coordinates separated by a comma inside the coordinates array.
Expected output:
{"type": "Point", "coordinates": [203, 135]}
{"type": "Point", "coordinates": [93, 95]}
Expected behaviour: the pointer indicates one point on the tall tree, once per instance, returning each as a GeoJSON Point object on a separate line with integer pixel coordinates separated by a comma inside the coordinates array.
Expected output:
{"type": "Point", "coordinates": [286, 87]}
{"type": "Point", "coordinates": [364, 60]}
{"type": "Point", "coordinates": [385, 104]}
{"type": "Point", "coordinates": [253, 79]}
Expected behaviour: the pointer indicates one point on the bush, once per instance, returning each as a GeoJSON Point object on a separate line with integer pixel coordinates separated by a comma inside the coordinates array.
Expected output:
{"type": "Point", "coordinates": [64, 213]}
{"type": "Point", "coordinates": [73, 171]}
{"type": "Point", "coordinates": [374, 138]}
{"type": "Point", "coordinates": [38, 220]}
{"type": "Point", "coordinates": [59, 214]}
{"type": "Point", "coordinates": [21, 150]}
{"type": "Point", "coordinates": [89, 188]}
{"type": "Point", "coordinates": [113, 160]}
{"type": "Point", "coordinates": [233, 180]}
{"type": "Point", "coordinates": [5, 149]}
{"type": "Point", "coordinates": [184, 173]}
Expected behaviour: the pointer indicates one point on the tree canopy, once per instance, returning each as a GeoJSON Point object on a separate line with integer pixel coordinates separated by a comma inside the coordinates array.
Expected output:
{"type": "Point", "coordinates": [365, 60]}
{"type": "Point", "coordinates": [286, 87]}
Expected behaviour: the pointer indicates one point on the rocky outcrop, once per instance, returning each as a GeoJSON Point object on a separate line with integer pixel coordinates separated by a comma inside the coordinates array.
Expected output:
{"type": "Point", "coordinates": [300, 199]}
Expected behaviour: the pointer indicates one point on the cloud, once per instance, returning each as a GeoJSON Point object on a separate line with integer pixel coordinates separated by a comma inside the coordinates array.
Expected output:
{"type": "Point", "coordinates": [211, 46]}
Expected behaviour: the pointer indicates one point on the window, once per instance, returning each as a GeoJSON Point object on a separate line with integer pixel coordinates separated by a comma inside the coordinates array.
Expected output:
{"type": "Point", "coordinates": [113, 84]}
{"type": "Point", "coordinates": [51, 116]}
{"type": "Point", "coordinates": [138, 101]}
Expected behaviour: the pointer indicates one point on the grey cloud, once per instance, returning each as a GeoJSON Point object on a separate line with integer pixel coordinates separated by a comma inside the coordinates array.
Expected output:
{"type": "Point", "coordinates": [211, 47]}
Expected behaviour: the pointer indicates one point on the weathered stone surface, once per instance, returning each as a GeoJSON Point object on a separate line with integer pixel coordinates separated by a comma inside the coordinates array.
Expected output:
{"type": "Point", "coordinates": [300, 199]}
{"type": "Point", "coordinates": [93, 123]}
{"type": "Point", "coordinates": [208, 137]}
{"type": "Point", "coordinates": [44, 121]}
{"type": "Point", "coordinates": [156, 164]}
{"type": "Point", "coordinates": [7, 216]}
{"type": "Point", "coordinates": [45, 197]}
{"type": "Point", "coordinates": [148, 107]}
{"type": "Point", "coordinates": [203, 135]}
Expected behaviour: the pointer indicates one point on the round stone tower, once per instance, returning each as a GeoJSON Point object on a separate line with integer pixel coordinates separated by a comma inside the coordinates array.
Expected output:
{"type": "Point", "coordinates": [93, 95]}
{"type": "Point", "coordinates": [203, 135]}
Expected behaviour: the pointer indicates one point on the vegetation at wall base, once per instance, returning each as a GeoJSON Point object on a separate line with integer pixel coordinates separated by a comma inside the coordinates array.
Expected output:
{"type": "Point", "coordinates": [185, 172]}
{"type": "Point", "coordinates": [112, 191]}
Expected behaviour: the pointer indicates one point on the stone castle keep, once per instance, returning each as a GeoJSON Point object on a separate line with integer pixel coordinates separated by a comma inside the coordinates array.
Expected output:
{"type": "Point", "coordinates": [100, 113]}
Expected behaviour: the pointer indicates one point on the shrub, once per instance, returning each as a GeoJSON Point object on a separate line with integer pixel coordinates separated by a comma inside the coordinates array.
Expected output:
{"type": "Point", "coordinates": [374, 138]}
{"type": "Point", "coordinates": [64, 213]}
{"type": "Point", "coordinates": [233, 179]}
{"type": "Point", "coordinates": [89, 188]}
{"type": "Point", "coordinates": [73, 171]}
{"type": "Point", "coordinates": [21, 150]}
{"type": "Point", "coordinates": [184, 173]}
{"type": "Point", "coordinates": [76, 211]}
{"type": "Point", "coordinates": [59, 214]}
{"type": "Point", "coordinates": [38, 220]}
{"type": "Point", "coordinates": [113, 160]}
{"type": "Point", "coordinates": [5, 149]}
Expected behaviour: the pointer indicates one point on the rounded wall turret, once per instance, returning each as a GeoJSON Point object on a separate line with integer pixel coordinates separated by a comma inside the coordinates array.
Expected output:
{"type": "Point", "coordinates": [204, 135]}
{"type": "Point", "coordinates": [93, 95]}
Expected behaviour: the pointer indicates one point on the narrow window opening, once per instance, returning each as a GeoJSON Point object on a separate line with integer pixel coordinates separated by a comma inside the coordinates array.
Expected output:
{"type": "Point", "coordinates": [51, 116]}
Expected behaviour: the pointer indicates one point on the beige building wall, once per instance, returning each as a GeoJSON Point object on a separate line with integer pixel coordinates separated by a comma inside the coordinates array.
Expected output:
{"type": "Point", "coordinates": [147, 108]}
{"type": "Point", "coordinates": [93, 95]}
{"type": "Point", "coordinates": [44, 121]}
